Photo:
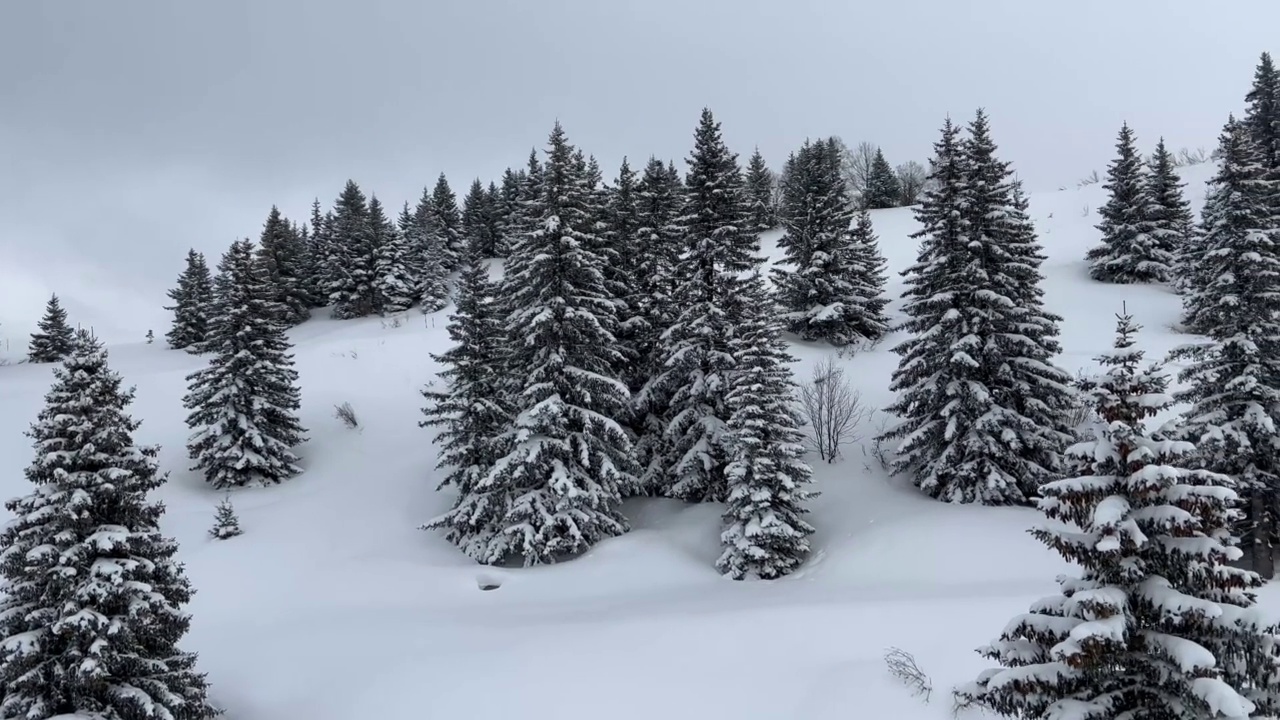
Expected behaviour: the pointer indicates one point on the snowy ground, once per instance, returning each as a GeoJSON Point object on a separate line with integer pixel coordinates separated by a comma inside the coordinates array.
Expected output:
{"type": "Point", "coordinates": [334, 605]}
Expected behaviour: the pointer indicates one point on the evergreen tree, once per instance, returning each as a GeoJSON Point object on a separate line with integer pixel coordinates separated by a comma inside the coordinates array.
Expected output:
{"type": "Point", "coordinates": [983, 409]}
{"type": "Point", "coordinates": [621, 253]}
{"type": "Point", "coordinates": [151, 337]}
{"type": "Point", "coordinates": [1131, 251]}
{"type": "Point", "coordinates": [477, 225]}
{"type": "Point", "coordinates": [697, 357]}
{"type": "Point", "coordinates": [471, 416]}
{"type": "Point", "coordinates": [1262, 117]}
{"type": "Point", "coordinates": [1156, 623]}
{"type": "Point", "coordinates": [225, 524]}
{"type": "Point", "coordinates": [1233, 382]}
{"type": "Point", "coordinates": [92, 609]}
{"type": "Point", "coordinates": [433, 256]}
{"type": "Point", "coordinates": [55, 339]}
{"type": "Point", "coordinates": [866, 301]}
{"type": "Point", "coordinates": [244, 404]}
{"type": "Point", "coordinates": [882, 185]}
{"type": "Point", "coordinates": [1168, 212]}
{"type": "Point", "coordinates": [824, 292]}
{"type": "Point", "coordinates": [759, 181]}
{"type": "Point", "coordinates": [318, 257]}
{"type": "Point", "coordinates": [283, 257]}
{"type": "Point", "coordinates": [507, 207]}
{"type": "Point", "coordinates": [567, 460]}
{"type": "Point", "coordinates": [351, 253]}
{"type": "Point", "coordinates": [764, 535]}
{"type": "Point", "coordinates": [446, 220]}
{"type": "Point", "coordinates": [396, 285]}
{"type": "Point", "coordinates": [192, 304]}
{"type": "Point", "coordinates": [493, 220]}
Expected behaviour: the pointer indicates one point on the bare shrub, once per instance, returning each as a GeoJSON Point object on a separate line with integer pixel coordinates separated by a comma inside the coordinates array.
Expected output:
{"type": "Point", "coordinates": [911, 179]}
{"type": "Point", "coordinates": [833, 409]}
{"type": "Point", "coordinates": [902, 665]}
{"type": "Point", "coordinates": [1187, 156]}
{"type": "Point", "coordinates": [878, 449]}
{"type": "Point", "coordinates": [1092, 178]}
{"type": "Point", "coordinates": [347, 415]}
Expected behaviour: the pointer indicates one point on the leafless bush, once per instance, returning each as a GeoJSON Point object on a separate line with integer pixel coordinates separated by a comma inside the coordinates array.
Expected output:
{"type": "Point", "coordinates": [878, 450]}
{"type": "Point", "coordinates": [1187, 156]}
{"type": "Point", "coordinates": [347, 415]}
{"type": "Point", "coordinates": [833, 409]}
{"type": "Point", "coordinates": [1091, 179]}
{"type": "Point", "coordinates": [393, 322]}
{"type": "Point", "coordinates": [902, 665]}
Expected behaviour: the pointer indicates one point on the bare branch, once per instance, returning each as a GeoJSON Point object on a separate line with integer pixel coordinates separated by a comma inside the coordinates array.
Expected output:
{"type": "Point", "coordinates": [833, 409]}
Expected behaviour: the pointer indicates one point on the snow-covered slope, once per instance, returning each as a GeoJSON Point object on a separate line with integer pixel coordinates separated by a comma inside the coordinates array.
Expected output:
{"type": "Point", "coordinates": [333, 605]}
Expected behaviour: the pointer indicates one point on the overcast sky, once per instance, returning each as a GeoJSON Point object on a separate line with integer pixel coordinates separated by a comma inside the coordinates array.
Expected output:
{"type": "Point", "coordinates": [131, 130]}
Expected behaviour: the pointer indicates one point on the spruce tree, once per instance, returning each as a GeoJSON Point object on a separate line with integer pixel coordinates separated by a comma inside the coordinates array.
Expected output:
{"type": "Point", "coordinates": [826, 295]}
{"type": "Point", "coordinates": [567, 460]}
{"type": "Point", "coordinates": [475, 227]}
{"type": "Point", "coordinates": [765, 536]}
{"type": "Point", "coordinates": [621, 253]}
{"type": "Point", "coordinates": [1232, 383]}
{"type": "Point", "coordinates": [225, 522]}
{"type": "Point", "coordinates": [882, 185]}
{"type": "Point", "coordinates": [92, 609]}
{"type": "Point", "coordinates": [759, 182]}
{"type": "Point", "coordinates": [471, 416]}
{"type": "Point", "coordinates": [351, 252]}
{"type": "Point", "coordinates": [506, 209]}
{"type": "Point", "coordinates": [192, 304]}
{"type": "Point", "coordinates": [433, 256]}
{"type": "Point", "coordinates": [1131, 251]}
{"type": "Point", "coordinates": [244, 404]}
{"type": "Point", "coordinates": [1262, 116]}
{"type": "Point", "coordinates": [55, 338]}
{"type": "Point", "coordinates": [1168, 212]}
{"type": "Point", "coordinates": [283, 258]}
{"type": "Point", "coordinates": [493, 223]}
{"type": "Point", "coordinates": [446, 220]}
{"type": "Point", "coordinates": [696, 355]}
{"type": "Point", "coordinates": [1156, 624]}
{"type": "Point", "coordinates": [983, 409]}
{"type": "Point", "coordinates": [318, 257]}
{"type": "Point", "coordinates": [866, 300]}
{"type": "Point", "coordinates": [398, 272]}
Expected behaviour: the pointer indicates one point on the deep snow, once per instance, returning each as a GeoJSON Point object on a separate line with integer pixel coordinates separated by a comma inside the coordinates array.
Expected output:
{"type": "Point", "coordinates": [333, 605]}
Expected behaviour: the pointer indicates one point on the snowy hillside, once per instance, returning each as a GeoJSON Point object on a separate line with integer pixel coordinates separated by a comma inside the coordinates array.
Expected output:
{"type": "Point", "coordinates": [333, 605]}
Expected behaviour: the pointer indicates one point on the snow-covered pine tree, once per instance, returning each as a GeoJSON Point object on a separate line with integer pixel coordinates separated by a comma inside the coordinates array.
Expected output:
{"type": "Point", "coordinates": [866, 300]}
{"type": "Point", "coordinates": [475, 225]}
{"type": "Point", "coordinates": [1233, 382]}
{"type": "Point", "coordinates": [283, 258]}
{"type": "Point", "coordinates": [446, 221]}
{"type": "Point", "coordinates": [718, 248]}
{"type": "Point", "coordinates": [506, 209]}
{"type": "Point", "coordinates": [318, 255]}
{"type": "Point", "coordinates": [225, 522]}
{"type": "Point", "coordinates": [351, 256]}
{"type": "Point", "coordinates": [55, 338]}
{"type": "Point", "coordinates": [1262, 116]}
{"type": "Point", "coordinates": [493, 220]}
{"type": "Point", "coordinates": [92, 610]}
{"type": "Point", "coordinates": [982, 407]}
{"type": "Point", "coordinates": [1172, 224]}
{"type": "Point", "coordinates": [823, 292]}
{"type": "Point", "coordinates": [764, 536]}
{"type": "Point", "coordinates": [524, 221]}
{"type": "Point", "coordinates": [433, 257]}
{"type": "Point", "coordinates": [471, 416]}
{"type": "Point", "coordinates": [567, 460]}
{"type": "Point", "coordinates": [882, 185]}
{"type": "Point", "coordinates": [659, 201]}
{"type": "Point", "coordinates": [244, 404]}
{"type": "Point", "coordinates": [621, 253]}
{"type": "Point", "coordinates": [1130, 252]}
{"type": "Point", "coordinates": [192, 303]}
{"type": "Point", "coordinates": [398, 278]}
{"type": "Point", "coordinates": [759, 180]}
{"type": "Point", "coordinates": [1157, 624]}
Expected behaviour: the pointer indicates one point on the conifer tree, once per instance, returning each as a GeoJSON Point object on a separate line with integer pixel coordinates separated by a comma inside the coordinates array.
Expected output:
{"type": "Point", "coordinates": [225, 523]}
{"type": "Point", "coordinates": [476, 224]}
{"type": "Point", "coordinates": [351, 255]}
{"type": "Point", "coordinates": [1156, 625]}
{"type": "Point", "coordinates": [567, 460]}
{"type": "Point", "coordinates": [1130, 252]}
{"type": "Point", "coordinates": [151, 337]}
{"type": "Point", "coordinates": [621, 253]}
{"type": "Point", "coordinates": [1262, 116]}
{"type": "Point", "coordinates": [92, 610]}
{"type": "Point", "coordinates": [697, 358]}
{"type": "Point", "coordinates": [55, 338]}
{"type": "Point", "coordinates": [433, 256]}
{"type": "Point", "coordinates": [282, 255]}
{"type": "Point", "coordinates": [764, 536]}
{"type": "Point", "coordinates": [244, 404]}
{"type": "Point", "coordinates": [1232, 383]}
{"type": "Point", "coordinates": [759, 182]}
{"type": "Point", "coordinates": [866, 301]}
{"type": "Point", "coordinates": [882, 185]}
{"type": "Point", "coordinates": [982, 407]}
{"type": "Point", "coordinates": [192, 304]}
{"type": "Point", "coordinates": [471, 416]}
{"type": "Point", "coordinates": [318, 256]}
{"type": "Point", "coordinates": [1169, 214]}
{"type": "Point", "coordinates": [507, 208]}
{"type": "Point", "coordinates": [398, 275]}
{"type": "Point", "coordinates": [493, 220]}
{"type": "Point", "coordinates": [824, 292]}
{"type": "Point", "coordinates": [446, 220]}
